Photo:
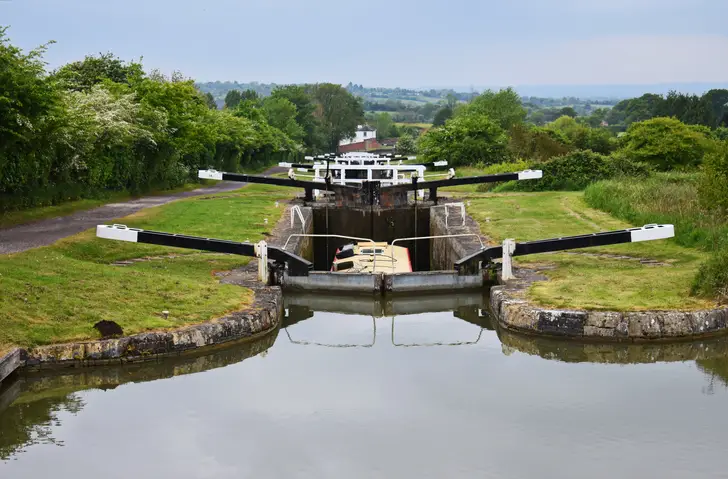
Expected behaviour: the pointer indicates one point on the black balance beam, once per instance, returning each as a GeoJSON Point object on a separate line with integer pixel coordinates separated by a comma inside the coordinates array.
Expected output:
{"type": "Point", "coordinates": [471, 263]}
{"type": "Point", "coordinates": [297, 266]}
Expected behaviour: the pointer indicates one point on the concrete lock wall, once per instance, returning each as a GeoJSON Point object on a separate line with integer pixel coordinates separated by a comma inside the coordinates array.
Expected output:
{"type": "Point", "coordinates": [379, 225]}
{"type": "Point", "coordinates": [445, 251]}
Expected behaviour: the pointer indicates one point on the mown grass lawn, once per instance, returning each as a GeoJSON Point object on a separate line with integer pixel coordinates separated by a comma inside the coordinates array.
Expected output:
{"type": "Point", "coordinates": [56, 293]}
{"type": "Point", "coordinates": [596, 281]}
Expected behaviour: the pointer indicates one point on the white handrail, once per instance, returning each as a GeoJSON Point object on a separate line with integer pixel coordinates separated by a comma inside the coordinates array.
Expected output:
{"type": "Point", "coordinates": [414, 238]}
{"type": "Point", "coordinates": [447, 212]}
{"type": "Point", "coordinates": [374, 263]}
{"type": "Point", "coordinates": [297, 209]}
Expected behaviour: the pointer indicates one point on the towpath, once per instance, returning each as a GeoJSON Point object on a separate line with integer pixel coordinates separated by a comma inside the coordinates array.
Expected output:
{"type": "Point", "coordinates": [45, 232]}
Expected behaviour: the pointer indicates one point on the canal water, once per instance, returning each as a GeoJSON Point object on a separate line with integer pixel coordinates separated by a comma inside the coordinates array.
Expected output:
{"type": "Point", "coordinates": [350, 387]}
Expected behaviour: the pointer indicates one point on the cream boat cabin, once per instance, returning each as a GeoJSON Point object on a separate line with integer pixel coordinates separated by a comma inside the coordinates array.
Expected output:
{"type": "Point", "coordinates": [367, 257]}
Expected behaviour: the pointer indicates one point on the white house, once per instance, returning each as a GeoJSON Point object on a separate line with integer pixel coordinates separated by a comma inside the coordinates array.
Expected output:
{"type": "Point", "coordinates": [363, 132]}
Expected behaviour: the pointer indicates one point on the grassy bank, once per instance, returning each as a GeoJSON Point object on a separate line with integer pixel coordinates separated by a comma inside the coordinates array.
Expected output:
{"type": "Point", "coordinates": [593, 278]}
{"type": "Point", "coordinates": [14, 218]}
{"type": "Point", "coordinates": [56, 294]}
{"type": "Point", "coordinates": [662, 198]}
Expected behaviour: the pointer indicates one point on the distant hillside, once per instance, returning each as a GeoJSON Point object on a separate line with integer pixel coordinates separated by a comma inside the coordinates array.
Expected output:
{"type": "Point", "coordinates": [604, 92]}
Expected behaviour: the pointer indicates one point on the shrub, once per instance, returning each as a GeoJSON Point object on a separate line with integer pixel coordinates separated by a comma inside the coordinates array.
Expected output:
{"type": "Point", "coordinates": [466, 140]}
{"type": "Point", "coordinates": [665, 143]}
{"type": "Point", "coordinates": [712, 278]}
{"type": "Point", "coordinates": [577, 170]}
{"type": "Point", "coordinates": [539, 144]}
{"type": "Point", "coordinates": [713, 188]}
{"type": "Point", "coordinates": [498, 168]}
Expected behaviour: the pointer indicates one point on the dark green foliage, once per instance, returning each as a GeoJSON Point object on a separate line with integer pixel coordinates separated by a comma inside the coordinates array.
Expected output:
{"type": "Point", "coordinates": [537, 143]}
{"type": "Point", "coordinates": [582, 137]}
{"type": "Point", "coordinates": [82, 75]}
{"type": "Point", "coordinates": [665, 143]}
{"type": "Point", "coordinates": [712, 278]}
{"type": "Point", "coordinates": [406, 145]}
{"type": "Point", "coordinates": [338, 113]}
{"type": "Point", "coordinates": [465, 140]}
{"type": "Point", "coordinates": [442, 115]}
{"type": "Point", "coordinates": [233, 99]}
{"type": "Point", "coordinates": [210, 100]}
{"type": "Point", "coordinates": [103, 125]}
{"type": "Point", "coordinates": [568, 111]}
{"type": "Point", "coordinates": [713, 187]}
{"type": "Point", "coordinates": [709, 110]}
{"type": "Point", "coordinates": [504, 107]}
{"type": "Point", "coordinates": [577, 170]}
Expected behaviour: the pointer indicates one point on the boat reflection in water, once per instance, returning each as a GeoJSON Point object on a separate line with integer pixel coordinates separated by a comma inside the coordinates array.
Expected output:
{"type": "Point", "coordinates": [400, 311]}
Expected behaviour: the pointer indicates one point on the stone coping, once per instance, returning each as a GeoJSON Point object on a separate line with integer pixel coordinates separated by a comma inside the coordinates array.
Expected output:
{"type": "Point", "coordinates": [515, 313]}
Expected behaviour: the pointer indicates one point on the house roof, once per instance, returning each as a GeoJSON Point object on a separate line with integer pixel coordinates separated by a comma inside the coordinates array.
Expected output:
{"type": "Point", "coordinates": [365, 128]}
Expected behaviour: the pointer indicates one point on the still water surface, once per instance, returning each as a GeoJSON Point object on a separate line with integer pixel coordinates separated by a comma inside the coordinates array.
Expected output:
{"type": "Point", "coordinates": [397, 390]}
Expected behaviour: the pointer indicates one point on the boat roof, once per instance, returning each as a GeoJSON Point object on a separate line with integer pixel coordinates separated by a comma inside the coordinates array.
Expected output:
{"type": "Point", "coordinates": [375, 257]}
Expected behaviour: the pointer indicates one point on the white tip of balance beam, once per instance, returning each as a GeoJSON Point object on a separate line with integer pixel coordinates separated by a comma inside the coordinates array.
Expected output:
{"type": "Point", "coordinates": [117, 232]}
{"type": "Point", "coordinates": [652, 232]}
{"type": "Point", "coordinates": [308, 158]}
{"type": "Point", "coordinates": [440, 163]}
{"type": "Point", "coordinates": [209, 175]}
{"type": "Point", "coordinates": [530, 174]}
{"type": "Point", "coordinates": [284, 164]}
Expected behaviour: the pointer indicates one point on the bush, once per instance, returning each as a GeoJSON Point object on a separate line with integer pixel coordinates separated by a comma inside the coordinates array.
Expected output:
{"type": "Point", "coordinates": [665, 143]}
{"type": "Point", "coordinates": [712, 278]}
{"type": "Point", "coordinates": [497, 169]}
{"type": "Point", "coordinates": [538, 144]}
{"type": "Point", "coordinates": [577, 170]}
{"type": "Point", "coordinates": [466, 140]}
{"type": "Point", "coordinates": [713, 188]}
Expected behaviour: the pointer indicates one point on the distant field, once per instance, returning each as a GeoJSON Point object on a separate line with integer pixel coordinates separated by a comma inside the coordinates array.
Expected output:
{"type": "Point", "coordinates": [416, 125]}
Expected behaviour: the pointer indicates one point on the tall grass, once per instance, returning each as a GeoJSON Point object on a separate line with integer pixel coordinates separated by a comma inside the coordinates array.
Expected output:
{"type": "Point", "coordinates": [662, 198]}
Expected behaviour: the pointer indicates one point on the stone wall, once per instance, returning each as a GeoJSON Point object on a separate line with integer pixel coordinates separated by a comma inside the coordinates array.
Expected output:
{"type": "Point", "coordinates": [444, 252]}
{"type": "Point", "coordinates": [264, 316]}
{"type": "Point", "coordinates": [513, 312]}
{"type": "Point", "coordinates": [9, 363]}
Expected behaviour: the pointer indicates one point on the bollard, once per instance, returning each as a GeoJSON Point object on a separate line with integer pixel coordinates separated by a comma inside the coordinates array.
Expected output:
{"type": "Point", "coordinates": [509, 247]}
{"type": "Point", "coordinates": [261, 251]}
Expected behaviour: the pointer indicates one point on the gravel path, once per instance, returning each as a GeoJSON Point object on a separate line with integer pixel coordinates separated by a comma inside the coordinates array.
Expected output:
{"type": "Point", "coordinates": [45, 232]}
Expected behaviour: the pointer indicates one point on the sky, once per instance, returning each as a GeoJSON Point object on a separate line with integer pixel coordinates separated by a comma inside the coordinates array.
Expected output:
{"type": "Point", "coordinates": [406, 43]}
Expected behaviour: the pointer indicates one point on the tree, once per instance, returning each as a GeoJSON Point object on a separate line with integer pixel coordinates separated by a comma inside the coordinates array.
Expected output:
{"type": "Point", "coordinates": [250, 95]}
{"type": "Point", "coordinates": [233, 98]}
{"type": "Point", "coordinates": [718, 101]}
{"type": "Point", "coordinates": [568, 111]}
{"type": "Point", "coordinates": [583, 137]}
{"type": "Point", "coordinates": [305, 108]}
{"type": "Point", "coordinates": [406, 145]}
{"type": "Point", "coordinates": [30, 114]}
{"type": "Point", "coordinates": [538, 118]}
{"type": "Point", "coordinates": [338, 111]}
{"type": "Point", "coordinates": [384, 125]}
{"type": "Point", "coordinates": [211, 103]}
{"type": "Point", "coordinates": [465, 140]}
{"type": "Point", "coordinates": [504, 107]}
{"type": "Point", "coordinates": [281, 114]}
{"type": "Point", "coordinates": [444, 114]}
{"type": "Point", "coordinates": [713, 187]}
{"type": "Point", "coordinates": [666, 143]}
{"type": "Point", "coordinates": [92, 70]}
